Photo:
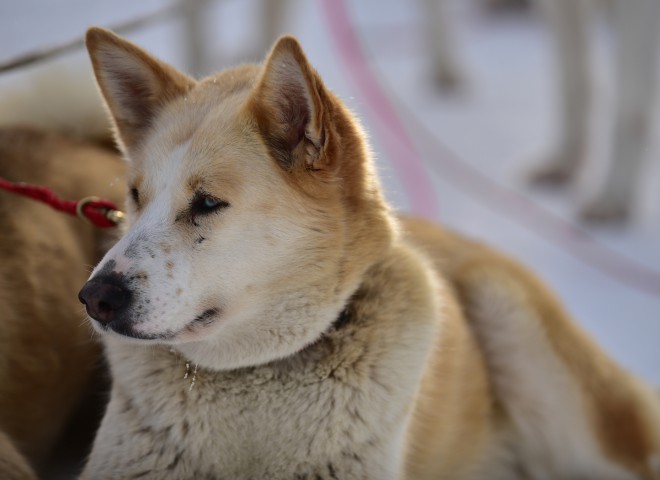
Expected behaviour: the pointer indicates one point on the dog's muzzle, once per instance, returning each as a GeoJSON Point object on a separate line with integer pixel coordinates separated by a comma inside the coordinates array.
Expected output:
{"type": "Point", "coordinates": [106, 298]}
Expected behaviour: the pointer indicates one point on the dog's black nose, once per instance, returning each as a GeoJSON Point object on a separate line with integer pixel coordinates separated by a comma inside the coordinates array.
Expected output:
{"type": "Point", "coordinates": [104, 297]}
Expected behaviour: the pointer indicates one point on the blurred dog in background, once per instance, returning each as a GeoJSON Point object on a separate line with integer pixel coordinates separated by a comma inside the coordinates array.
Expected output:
{"type": "Point", "coordinates": [50, 398]}
{"type": "Point", "coordinates": [637, 25]}
{"type": "Point", "coordinates": [610, 184]}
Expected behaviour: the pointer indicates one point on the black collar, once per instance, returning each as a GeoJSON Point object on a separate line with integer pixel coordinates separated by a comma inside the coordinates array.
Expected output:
{"type": "Point", "coordinates": [344, 318]}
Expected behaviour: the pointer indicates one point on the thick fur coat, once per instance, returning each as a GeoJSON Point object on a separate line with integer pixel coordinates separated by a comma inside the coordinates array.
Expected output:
{"type": "Point", "coordinates": [265, 315]}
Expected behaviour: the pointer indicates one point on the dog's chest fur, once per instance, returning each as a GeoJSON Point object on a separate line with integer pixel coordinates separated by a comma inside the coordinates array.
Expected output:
{"type": "Point", "coordinates": [338, 409]}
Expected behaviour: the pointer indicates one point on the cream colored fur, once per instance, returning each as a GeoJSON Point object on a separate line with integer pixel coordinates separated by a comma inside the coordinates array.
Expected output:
{"type": "Point", "coordinates": [266, 316]}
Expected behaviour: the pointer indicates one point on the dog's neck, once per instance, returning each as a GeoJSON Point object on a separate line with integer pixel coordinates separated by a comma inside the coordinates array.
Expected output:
{"type": "Point", "coordinates": [359, 377]}
{"type": "Point", "coordinates": [343, 319]}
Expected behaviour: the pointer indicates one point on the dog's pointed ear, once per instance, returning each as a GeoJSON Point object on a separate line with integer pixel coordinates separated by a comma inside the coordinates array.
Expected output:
{"type": "Point", "coordinates": [135, 85]}
{"type": "Point", "coordinates": [290, 105]}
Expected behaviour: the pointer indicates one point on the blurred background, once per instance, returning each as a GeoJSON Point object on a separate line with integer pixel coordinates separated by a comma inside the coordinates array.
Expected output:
{"type": "Point", "coordinates": [473, 108]}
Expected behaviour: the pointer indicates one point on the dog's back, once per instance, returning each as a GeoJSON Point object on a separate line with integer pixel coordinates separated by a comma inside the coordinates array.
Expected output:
{"type": "Point", "coordinates": [561, 404]}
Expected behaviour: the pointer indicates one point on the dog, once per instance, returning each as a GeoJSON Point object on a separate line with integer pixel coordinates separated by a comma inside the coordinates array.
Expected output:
{"type": "Point", "coordinates": [49, 362]}
{"type": "Point", "coordinates": [612, 199]}
{"type": "Point", "coordinates": [266, 315]}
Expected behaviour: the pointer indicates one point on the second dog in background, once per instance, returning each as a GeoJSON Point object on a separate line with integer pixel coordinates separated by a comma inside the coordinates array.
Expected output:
{"type": "Point", "coordinates": [637, 24]}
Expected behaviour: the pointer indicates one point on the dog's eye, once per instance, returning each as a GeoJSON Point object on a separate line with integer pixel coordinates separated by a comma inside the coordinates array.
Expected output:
{"type": "Point", "coordinates": [210, 202]}
{"type": "Point", "coordinates": [203, 204]}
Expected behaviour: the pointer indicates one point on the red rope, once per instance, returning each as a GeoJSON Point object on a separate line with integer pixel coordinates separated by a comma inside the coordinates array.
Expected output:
{"type": "Point", "coordinates": [101, 213]}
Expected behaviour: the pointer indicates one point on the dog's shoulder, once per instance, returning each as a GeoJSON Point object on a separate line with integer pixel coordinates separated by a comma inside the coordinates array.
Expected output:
{"type": "Point", "coordinates": [395, 313]}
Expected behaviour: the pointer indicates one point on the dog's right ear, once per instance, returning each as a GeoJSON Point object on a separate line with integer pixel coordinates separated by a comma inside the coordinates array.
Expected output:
{"type": "Point", "coordinates": [135, 85]}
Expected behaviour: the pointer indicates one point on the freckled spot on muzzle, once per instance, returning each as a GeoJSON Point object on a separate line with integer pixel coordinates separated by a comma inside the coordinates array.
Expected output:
{"type": "Point", "coordinates": [141, 277]}
{"type": "Point", "coordinates": [132, 250]}
{"type": "Point", "coordinates": [169, 266]}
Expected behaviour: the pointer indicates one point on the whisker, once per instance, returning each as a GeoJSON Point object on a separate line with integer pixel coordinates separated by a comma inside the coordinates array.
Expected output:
{"type": "Point", "coordinates": [89, 267]}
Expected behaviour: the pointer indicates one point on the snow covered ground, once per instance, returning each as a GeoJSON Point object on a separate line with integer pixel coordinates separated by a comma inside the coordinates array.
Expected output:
{"type": "Point", "coordinates": [460, 159]}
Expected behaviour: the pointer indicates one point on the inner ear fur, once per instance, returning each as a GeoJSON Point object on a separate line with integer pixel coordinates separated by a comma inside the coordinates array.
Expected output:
{"type": "Point", "coordinates": [290, 106]}
{"type": "Point", "coordinates": [134, 84]}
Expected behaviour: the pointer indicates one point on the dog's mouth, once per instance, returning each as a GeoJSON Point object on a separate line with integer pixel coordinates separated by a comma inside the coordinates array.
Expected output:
{"type": "Point", "coordinates": [127, 328]}
{"type": "Point", "coordinates": [203, 320]}
{"type": "Point", "coordinates": [113, 308]}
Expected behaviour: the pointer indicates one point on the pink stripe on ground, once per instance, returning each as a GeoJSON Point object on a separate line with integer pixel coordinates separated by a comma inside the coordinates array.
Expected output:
{"type": "Point", "coordinates": [405, 159]}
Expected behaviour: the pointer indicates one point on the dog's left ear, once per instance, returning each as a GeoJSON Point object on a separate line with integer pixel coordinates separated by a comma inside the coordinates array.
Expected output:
{"type": "Point", "coordinates": [291, 108]}
{"type": "Point", "coordinates": [135, 85]}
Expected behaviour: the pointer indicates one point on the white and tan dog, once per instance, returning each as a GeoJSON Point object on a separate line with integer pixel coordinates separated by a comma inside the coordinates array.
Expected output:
{"type": "Point", "coordinates": [266, 316]}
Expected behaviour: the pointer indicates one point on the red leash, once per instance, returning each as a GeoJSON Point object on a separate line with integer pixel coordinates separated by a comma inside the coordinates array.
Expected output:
{"type": "Point", "coordinates": [100, 213]}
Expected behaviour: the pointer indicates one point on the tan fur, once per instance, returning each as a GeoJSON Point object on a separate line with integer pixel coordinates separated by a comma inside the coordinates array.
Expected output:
{"type": "Point", "coordinates": [623, 414]}
{"type": "Point", "coordinates": [48, 354]}
{"type": "Point", "coordinates": [299, 330]}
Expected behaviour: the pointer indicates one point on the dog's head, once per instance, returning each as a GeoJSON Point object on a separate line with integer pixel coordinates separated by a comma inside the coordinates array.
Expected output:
{"type": "Point", "coordinates": [253, 208]}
